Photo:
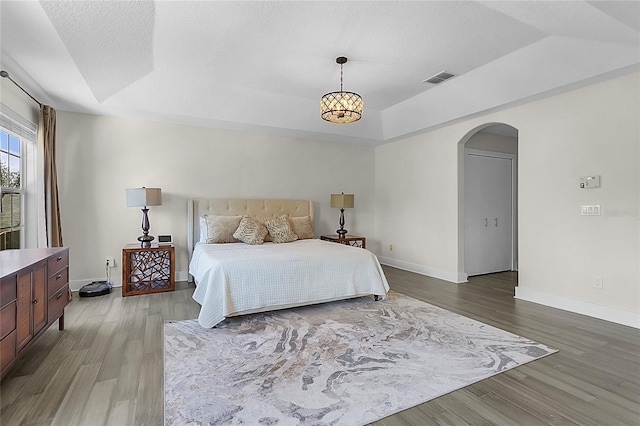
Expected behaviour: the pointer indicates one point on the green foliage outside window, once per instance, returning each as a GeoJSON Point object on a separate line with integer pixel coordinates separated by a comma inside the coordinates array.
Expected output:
{"type": "Point", "coordinates": [11, 183]}
{"type": "Point", "coordinates": [9, 179]}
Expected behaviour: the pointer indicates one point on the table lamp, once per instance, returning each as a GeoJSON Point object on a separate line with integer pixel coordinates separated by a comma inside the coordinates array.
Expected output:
{"type": "Point", "coordinates": [342, 201]}
{"type": "Point", "coordinates": [143, 197]}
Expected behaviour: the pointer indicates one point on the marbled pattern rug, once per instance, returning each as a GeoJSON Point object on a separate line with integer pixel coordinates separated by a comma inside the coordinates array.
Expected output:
{"type": "Point", "coordinates": [340, 363]}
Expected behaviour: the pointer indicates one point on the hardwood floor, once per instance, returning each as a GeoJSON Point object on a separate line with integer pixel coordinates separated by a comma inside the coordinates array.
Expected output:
{"type": "Point", "coordinates": [106, 368]}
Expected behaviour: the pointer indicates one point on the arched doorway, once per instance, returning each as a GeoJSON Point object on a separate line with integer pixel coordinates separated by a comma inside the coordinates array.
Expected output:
{"type": "Point", "coordinates": [488, 220]}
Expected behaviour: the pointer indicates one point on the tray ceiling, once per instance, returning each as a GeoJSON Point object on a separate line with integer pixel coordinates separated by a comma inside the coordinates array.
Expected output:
{"type": "Point", "coordinates": [265, 65]}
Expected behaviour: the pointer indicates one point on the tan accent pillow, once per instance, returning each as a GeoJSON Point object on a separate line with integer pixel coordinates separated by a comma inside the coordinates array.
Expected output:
{"type": "Point", "coordinates": [302, 227]}
{"type": "Point", "coordinates": [263, 220]}
{"type": "Point", "coordinates": [250, 231]}
{"type": "Point", "coordinates": [280, 229]}
{"type": "Point", "coordinates": [220, 229]}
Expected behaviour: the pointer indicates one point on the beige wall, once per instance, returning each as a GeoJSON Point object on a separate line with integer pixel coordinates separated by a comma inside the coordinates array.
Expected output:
{"type": "Point", "coordinates": [99, 157]}
{"type": "Point", "coordinates": [418, 208]}
{"type": "Point", "coordinates": [14, 98]}
{"type": "Point", "coordinates": [593, 130]}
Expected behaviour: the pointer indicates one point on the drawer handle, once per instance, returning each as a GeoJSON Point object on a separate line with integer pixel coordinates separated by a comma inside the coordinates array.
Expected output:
{"type": "Point", "coordinates": [59, 296]}
{"type": "Point", "coordinates": [59, 257]}
{"type": "Point", "coordinates": [35, 301]}
{"type": "Point", "coordinates": [59, 276]}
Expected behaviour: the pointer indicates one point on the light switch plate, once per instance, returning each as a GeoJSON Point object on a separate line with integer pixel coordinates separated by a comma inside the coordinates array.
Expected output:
{"type": "Point", "coordinates": [590, 210]}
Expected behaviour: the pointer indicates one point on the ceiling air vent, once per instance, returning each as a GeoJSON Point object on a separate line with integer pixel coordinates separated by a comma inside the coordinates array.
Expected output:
{"type": "Point", "coordinates": [438, 78]}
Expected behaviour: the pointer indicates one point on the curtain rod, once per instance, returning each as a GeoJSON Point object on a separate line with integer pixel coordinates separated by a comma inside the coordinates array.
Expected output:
{"type": "Point", "coordinates": [5, 74]}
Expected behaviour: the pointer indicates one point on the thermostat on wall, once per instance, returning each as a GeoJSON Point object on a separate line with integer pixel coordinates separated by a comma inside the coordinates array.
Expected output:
{"type": "Point", "coordinates": [588, 182]}
{"type": "Point", "coordinates": [166, 239]}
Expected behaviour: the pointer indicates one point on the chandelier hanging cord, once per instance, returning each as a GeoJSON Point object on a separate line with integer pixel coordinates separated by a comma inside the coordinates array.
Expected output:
{"type": "Point", "coordinates": [341, 60]}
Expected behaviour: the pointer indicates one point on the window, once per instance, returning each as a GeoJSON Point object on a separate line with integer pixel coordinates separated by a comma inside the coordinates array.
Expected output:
{"type": "Point", "coordinates": [11, 216]}
{"type": "Point", "coordinates": [20, 221]}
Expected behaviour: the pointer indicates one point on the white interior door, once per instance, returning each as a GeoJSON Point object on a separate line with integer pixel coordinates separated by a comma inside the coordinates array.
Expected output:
{"type": "Point", "coordinates": [488, 213]}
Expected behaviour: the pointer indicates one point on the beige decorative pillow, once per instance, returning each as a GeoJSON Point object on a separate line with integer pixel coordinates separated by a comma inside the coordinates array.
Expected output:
{"type": "Point", "coordinates": [302, 226]}
{"type": "Point", "coordinates": [220, 229]}
{"type": "Point", "coordinates": [263, 220]}
{"type": "Point", "coordinates": [250, 231]}
{"type": "Point", "coordinates": [280, 229]}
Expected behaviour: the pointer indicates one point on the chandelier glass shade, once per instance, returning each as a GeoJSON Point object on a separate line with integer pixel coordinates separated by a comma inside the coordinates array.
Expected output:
{"type": "Point", "coordinates": [341, 107]}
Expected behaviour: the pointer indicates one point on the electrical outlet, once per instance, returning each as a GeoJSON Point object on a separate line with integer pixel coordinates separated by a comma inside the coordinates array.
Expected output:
{"type": "Point", "coordinates": [111, 262]}
{"type": "Point", "coordinates": [597, 281]}
{"type": "Point", "coordinates": [390, 247]}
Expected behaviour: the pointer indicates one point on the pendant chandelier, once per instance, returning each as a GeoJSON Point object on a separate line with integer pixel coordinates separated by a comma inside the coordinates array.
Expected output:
{"type": "Point", "coordinates": [341, 107]}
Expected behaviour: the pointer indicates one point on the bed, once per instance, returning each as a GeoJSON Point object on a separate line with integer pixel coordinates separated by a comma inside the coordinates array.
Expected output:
{"type": "Point", "coordinates": [237, 278]}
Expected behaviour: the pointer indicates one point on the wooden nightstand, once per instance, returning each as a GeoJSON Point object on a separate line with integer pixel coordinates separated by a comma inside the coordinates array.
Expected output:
{"type": "Point", "coordinates": [349, 240]}
{"type": "Point", "coordinates": [147, 269]}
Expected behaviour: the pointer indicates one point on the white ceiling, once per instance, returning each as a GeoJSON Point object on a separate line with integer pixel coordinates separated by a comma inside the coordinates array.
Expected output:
{"type": "Point", "coordinates": [265, 65]}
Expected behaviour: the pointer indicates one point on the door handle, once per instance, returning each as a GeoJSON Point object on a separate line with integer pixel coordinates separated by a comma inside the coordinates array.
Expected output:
{"type": "Point", "coordinates": [485, 222]}
{"type": "Point", "coordinates": [35, 301]}
{"type": "Point", "coordinates": [496, 219]}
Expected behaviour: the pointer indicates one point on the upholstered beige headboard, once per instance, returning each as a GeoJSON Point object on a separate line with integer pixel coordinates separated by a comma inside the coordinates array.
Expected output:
{"type": "Point", "coordinates": [225, 207]}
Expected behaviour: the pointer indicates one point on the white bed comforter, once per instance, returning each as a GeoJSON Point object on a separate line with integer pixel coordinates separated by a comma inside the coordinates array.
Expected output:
{"type": "Point", "coordinates": [238, 278]}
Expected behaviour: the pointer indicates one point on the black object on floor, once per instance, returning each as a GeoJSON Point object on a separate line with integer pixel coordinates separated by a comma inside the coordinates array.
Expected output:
{"type": "Point", "coordinates": [96, 288]}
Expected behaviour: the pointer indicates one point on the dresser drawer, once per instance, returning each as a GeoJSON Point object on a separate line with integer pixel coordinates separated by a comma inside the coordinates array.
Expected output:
{"type": "Point", "coordinates": [57, 281]}
{"type": "Point", "coordinates": [57, 302]}
{"type": "Point", "coordinates": [7, 350]}
{"type": "Point", "coordinates": [58, 261]}
{"type": "Point", "coordinates": [7, 319]}
{"type": "Point", "coordinates": [8, 287]}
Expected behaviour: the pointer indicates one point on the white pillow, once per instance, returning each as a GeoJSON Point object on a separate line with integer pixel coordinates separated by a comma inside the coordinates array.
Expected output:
{"type": "Point", "coordinates": [203, 229]}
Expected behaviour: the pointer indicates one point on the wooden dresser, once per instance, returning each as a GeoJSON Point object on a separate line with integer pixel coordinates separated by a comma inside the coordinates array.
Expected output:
{"type": "Point", "coordinates": [34, 290]}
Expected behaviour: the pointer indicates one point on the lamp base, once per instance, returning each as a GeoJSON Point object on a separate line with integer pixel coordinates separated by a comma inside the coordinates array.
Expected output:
{"type": "Point", "coordinates": [145, 240]}
{"type": "Point", "coordinates": [341, 232]}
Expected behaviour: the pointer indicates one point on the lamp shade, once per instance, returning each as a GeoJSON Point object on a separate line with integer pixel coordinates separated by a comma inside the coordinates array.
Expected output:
{"type": "Point", "coordinates": [341, 107]}
{"type": "Point", "coordinates": [142, 197]}
{"type": "Point", "coordinates": [342, 201]}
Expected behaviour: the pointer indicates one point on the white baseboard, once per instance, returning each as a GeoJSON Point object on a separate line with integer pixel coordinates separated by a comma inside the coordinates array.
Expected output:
{"type": "Point", "coordinates": [76, 285]}
{"type": "Point", "coordinates": [606, 313]}
{"type": "Point", "coordinates": [451, 276]}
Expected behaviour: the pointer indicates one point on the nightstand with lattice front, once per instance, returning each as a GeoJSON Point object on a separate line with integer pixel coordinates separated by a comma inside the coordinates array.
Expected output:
{"type": "Point", "coordinates": [349, 240]}
{"type": "Point", "coordinates": [147, 269]}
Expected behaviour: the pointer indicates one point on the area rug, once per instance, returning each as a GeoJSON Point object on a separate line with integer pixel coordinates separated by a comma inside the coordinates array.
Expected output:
{"type": "Point", "coordinates": [341, 363]}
